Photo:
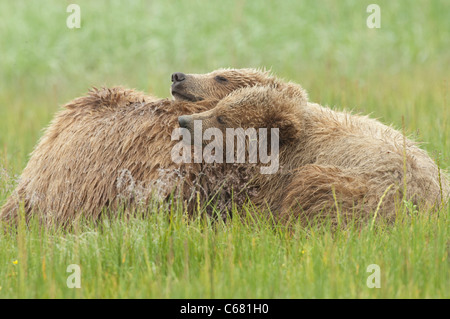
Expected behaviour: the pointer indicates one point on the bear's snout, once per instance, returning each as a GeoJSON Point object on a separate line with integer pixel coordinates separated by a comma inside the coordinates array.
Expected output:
{"type": "Point", "coordinates": [184, 121]}
{"type": "Point", "coordinates": [178, 77]}
{"type": "Point", "coordinates": [180, 88]}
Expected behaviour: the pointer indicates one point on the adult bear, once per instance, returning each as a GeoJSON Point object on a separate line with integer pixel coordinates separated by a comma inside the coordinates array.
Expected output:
{"type": "Point", "coordinates": [329, 161]}
{"type": "Point", "coordinates": [113, 146]}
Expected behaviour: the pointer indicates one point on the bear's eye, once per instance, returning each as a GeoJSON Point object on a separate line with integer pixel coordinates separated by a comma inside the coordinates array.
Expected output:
{"type": "Point", "coordinates": [220, 79]}
{"type": "Point", "coordinates": [221, 119]}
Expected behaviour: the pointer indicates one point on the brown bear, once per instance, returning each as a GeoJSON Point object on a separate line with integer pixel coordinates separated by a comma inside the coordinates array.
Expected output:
{"type": "Point", "coordinates": [114, 146]}
{"type": "Point", "coordinates": [330, 162]}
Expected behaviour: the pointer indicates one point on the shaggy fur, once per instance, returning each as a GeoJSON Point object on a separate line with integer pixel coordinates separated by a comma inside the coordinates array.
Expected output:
{"type": "Point", "coordinates": [106, 146]}
{"type": "Point", "coordinates": [329, 159]}
{"type": "Point", "coordinates": [112, 147]}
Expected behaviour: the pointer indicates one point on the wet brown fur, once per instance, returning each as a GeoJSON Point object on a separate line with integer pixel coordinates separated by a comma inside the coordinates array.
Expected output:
{"type": "Point", "coordinates": [112, 147]}
{"type": "Point", "coordinates": [330, 162]}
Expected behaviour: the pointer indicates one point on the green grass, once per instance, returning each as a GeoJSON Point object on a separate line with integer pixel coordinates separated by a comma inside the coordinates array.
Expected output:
{"type": "Point", "coordinates": [400, 70]}
{"type": "Point", "coordinates": [162, 256]}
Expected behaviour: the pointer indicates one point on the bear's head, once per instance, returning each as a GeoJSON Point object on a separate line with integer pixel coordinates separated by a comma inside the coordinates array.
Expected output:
{"type": "Point", "coordinates": [218, 84]}
{"type": "Point", "coordinates": [257, 107]}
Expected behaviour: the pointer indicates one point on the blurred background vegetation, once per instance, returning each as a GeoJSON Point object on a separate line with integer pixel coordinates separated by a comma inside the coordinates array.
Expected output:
{"type": "Point", "coordinates": [398, 70]}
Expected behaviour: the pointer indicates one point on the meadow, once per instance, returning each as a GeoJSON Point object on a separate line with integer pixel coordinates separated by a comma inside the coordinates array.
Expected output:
{"type": "Point", "coordinates": [398, 73]}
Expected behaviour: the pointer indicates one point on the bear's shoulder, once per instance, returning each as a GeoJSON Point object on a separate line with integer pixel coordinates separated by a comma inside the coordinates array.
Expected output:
{"type": "Point", "coordinates": [109, 98]}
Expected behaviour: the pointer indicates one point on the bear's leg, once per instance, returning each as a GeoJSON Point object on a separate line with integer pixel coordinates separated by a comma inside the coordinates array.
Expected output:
{"type": "Point", "coordinates": [318, 192]}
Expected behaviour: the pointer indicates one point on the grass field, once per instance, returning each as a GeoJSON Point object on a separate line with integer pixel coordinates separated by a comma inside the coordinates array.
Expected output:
{"type": "Point", "coordinates": [398, 71]}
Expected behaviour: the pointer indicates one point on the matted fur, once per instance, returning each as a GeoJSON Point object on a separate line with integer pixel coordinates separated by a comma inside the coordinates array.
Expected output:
{"type": "Point", "coordinates": [108, 146]}
{"type": "Point", "coordinates": [112, 147]}
{"type": "Point", "coordinates": [330, 159]}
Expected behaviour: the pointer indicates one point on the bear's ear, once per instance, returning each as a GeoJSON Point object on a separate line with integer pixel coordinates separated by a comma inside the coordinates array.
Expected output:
{"type": "Point", "coordinates": [296, 92]}
{"type": "Point", "coordinates": [289, 128]}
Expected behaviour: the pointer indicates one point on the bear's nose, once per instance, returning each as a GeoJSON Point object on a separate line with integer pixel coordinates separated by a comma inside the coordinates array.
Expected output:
{"type": "Point", "coordinates": [178, 77]}
{"type": "Point", "coordinates": [183, 121]}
